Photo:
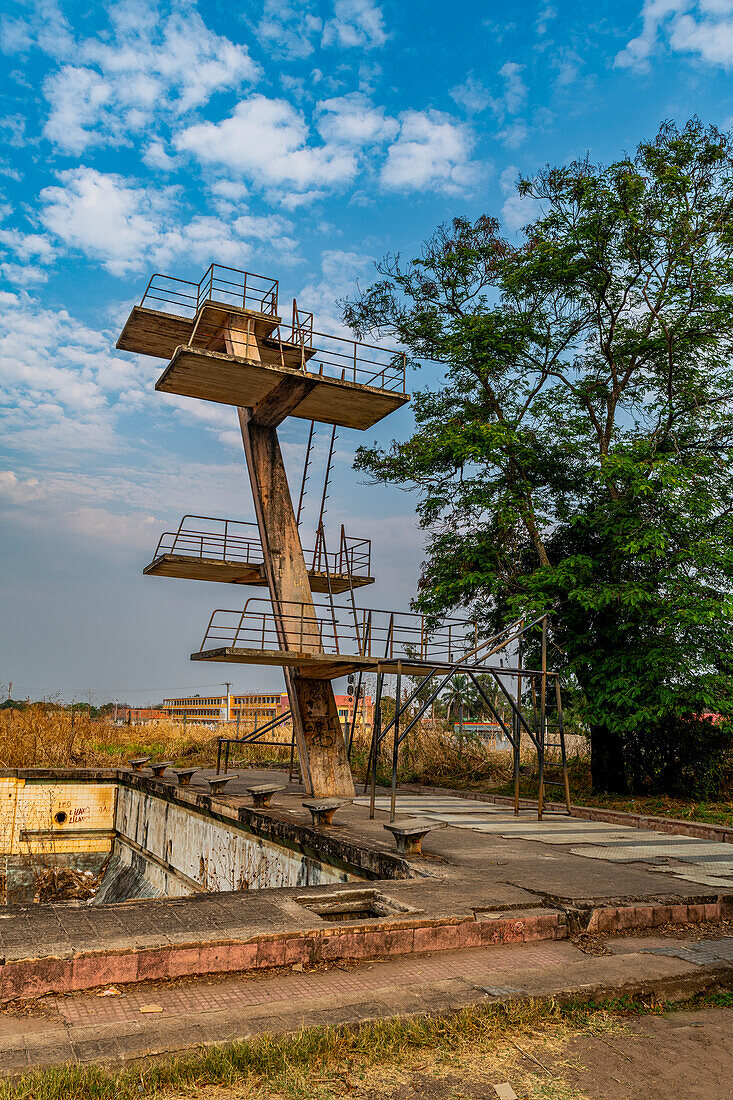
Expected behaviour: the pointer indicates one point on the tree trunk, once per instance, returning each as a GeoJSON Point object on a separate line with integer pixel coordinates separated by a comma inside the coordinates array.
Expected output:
{"type": "Point", "coordinates": [608, 772]}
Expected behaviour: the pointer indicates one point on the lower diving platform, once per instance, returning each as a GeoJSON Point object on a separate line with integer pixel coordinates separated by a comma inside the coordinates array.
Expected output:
{"type": "Point", "coordinates": [327, 641]}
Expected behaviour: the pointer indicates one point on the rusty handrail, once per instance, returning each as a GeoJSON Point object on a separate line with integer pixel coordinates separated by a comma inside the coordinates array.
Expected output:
{"type": "Point", "coordinates": [201, 542]}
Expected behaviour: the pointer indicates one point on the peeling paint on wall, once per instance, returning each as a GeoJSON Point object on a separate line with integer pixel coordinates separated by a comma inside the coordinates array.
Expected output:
{"type": "Point", "coordinates": [185, 852]}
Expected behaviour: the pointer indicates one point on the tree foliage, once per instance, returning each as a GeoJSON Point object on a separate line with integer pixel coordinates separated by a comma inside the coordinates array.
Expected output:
{"type": "Point", "coordinates": [577, 455]}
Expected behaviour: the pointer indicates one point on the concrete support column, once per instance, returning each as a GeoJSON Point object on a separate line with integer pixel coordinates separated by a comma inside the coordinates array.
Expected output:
{"type": "Point", "coordinates": [321, 747]}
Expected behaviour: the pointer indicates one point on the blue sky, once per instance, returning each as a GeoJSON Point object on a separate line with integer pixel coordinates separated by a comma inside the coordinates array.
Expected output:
{"type": "Point", "coordinates": [297, 139]}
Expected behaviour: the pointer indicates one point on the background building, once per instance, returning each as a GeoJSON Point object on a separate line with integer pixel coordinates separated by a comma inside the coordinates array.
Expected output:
{"type": "Point", "coordinates": [139, 716]}
{"type": "Point", "coordinates": [255, 710]}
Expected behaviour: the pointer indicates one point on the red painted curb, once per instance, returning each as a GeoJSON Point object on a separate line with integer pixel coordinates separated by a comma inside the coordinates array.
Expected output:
{"type": "Point", "coordinates": [626, 918]}
{"type": "Point", "coordinates": [27, 978]}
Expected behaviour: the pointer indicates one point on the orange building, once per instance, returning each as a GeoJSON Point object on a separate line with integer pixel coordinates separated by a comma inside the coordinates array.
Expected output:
{"type": "Point", "coordinates": [139, 716]}
{"type": "Point", "coordinates": [255, 709]}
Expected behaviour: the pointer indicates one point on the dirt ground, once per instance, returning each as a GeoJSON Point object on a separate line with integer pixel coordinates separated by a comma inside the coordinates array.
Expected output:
{"type": "Point", "coordinates": [681, 1055]}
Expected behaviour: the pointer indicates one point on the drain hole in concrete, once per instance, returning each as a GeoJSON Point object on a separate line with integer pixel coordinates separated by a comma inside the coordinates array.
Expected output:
{"type": "Point", "coordinates": [353, 905]}
{"type": "Point", "coordinates": [60, 817]}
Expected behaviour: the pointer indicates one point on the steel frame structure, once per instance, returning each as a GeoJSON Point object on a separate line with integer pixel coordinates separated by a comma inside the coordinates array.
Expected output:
{"type": "Point", "coordinates": [534, 681]}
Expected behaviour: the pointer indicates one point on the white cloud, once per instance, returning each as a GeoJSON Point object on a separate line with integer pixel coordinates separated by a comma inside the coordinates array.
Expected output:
{"type": "Point", "coordinates": [355, 23]}
{"type": "Point", "coordinates": [20, 490]}
{"type": "Point", "coordinates": [147, 67]}
{"type": "Point", "coordinates": [544, 17]}
{"type": "Point", "coordinates": [104, 216]}
{"type": "Point", "coordinates": [267, 141]}
{"type": "Point", "coordinates": [231, 190]}
{"type": "Point", "coordinates": [78, 99]}
{"type": "Point", "coordinates": [354, 120]}
{"type": "Point", "coordinates": [517, 210]}
{"type": "Point", "coordinates": [157, 158]}
{"type": "Point", "coordinates": [288, 30]}
{"type": "Point", "coordinates": [515, 90]}
{"type": "Point", "coordinates": [515, 134]}
{"type": "Point", "coordinates": [340, 272]}
{"type": "Point", "coordinates": [127, 226]}
{"type": "Point", "coordinates": [60, 380]}
{"type": "Point", "coordinates": [23, 274]}
{"type": "Point", "coordinates": [471, 95]}
{"type": "Point", "coordinates": [701, 28]}
{"type": "Point", "coordinates": [432, 152]}
{"type": "Point", "coordinates": [65, 393]}
{"type": "Point", "coordinates": [46, 27]}
{"type": "Point", "coordinates": [710, 39]}
{"type": "Point", "coordinates": [568, 63]}
{"type": "Point", "coordinates": [27, 246]}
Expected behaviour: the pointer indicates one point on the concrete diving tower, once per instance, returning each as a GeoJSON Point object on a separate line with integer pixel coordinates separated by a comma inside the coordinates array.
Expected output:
{"type": "Point", "coordinates": [205, 548]}
{"type": "Point", "coordinates": [225, 342]}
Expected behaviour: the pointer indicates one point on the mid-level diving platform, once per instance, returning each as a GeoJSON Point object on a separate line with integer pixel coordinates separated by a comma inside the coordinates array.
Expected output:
{"type": "Point", "coordinates": [206, 548]}
{"type": "Point", "coordinates": [234, 380]}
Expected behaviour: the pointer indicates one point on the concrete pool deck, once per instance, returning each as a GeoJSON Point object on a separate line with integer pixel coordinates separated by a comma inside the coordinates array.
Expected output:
{"type": "Point", "coordinates": [487, 878]}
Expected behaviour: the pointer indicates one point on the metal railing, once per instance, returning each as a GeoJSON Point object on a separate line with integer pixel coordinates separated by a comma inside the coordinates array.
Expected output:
{"type": "Point", "coordinates": [353, 361]}
{"type": "Point", "coordinates": [226, 285]}
{"type": "Point", "coordinates": [302, 348]}
{"type": "Point", "coordinates": [301, 331]}
{"type": "Point", "coordinates": [341, 630]}
{"type": "Point", "coordinates": [255, 737]}
{"type": "Point", "coordinates": [239, 541]}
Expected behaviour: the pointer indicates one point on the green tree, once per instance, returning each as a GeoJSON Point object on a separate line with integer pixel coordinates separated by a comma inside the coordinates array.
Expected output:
{"type": "Point", "coordinates": [459, 698]}
{"type": "Point", "coordinates": [577, 457]}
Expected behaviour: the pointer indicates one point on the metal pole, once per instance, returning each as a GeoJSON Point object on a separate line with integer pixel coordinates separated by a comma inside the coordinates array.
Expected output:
{"type": "Point", "coordinates": [353, 715]}
{"type": "Point", "coordinates": [292, 756]}
{"type": "Point", "coordinates": [305, 471]}
{"type": "Point", "coordinates": [375, 740]}
{"type": "Point", "coordinates": [396, 740]}
{"type": "Point", "coordinates": [518, 727]}
{"type": "Point", "coordinates": [543, 700]}
{"type": "Point", "coordinates": [561, 732]}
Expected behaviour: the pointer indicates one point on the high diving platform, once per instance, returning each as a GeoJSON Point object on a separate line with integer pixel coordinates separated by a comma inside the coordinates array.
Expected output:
{"type": "Point", "coordinates": [226, 342]}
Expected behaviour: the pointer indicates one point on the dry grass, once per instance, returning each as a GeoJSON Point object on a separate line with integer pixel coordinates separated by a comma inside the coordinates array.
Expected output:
{"type": "Point", "coordinates": [41, 736]}
{"type": "Point", "coordinates": [44, 736]}
{"type": "Point", "coordinates": [483, 1045]}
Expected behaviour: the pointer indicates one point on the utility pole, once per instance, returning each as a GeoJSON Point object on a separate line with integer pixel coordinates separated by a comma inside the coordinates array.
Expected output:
{"type": "Point", "coordinates": [227, 684]}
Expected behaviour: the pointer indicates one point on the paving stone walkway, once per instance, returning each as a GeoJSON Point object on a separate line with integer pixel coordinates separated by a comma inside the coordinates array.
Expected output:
{"type": "Point", "coordinates": [133, 1022]}
{"type": "Point", "coordinates": [707, 863]}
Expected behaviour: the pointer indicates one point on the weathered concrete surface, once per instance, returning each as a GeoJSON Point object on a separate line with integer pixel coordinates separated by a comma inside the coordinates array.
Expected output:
{"type": "Point", "coordinates": [507, 880]}
{"type": "Point", "coordinates": [321, 747]}
{"type": "Point", "coordinates": [48, 822]}
{"type": "Point", "coordinates": [183, 849]}
{"type": "Point", "coordinates": [677, 826]}
{"type": "Point", "coordinates": [84, 1028]}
